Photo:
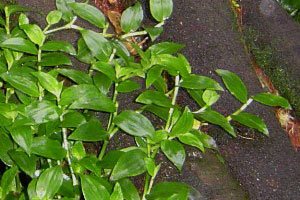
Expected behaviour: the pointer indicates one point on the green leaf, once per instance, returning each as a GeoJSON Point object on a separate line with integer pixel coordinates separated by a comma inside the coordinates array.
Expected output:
{"type": "Point", "coordinates": [218, 119]}
{"type": "Point", "coordinates": [25, 163]}
{"type": "Point", "coordinates": [55, 59]}
{"type": "Point", "coordinates": [191, 140]}
{"type": "Point", "coordinates": [184, 123]}
{"type": "Point", "coordinates": [84, 54]}
{"type": "Point", "coordinates": [90, 131]}
{"type": "Point", "coordinates": [174, 152]}
{"type": "Point", "coordinates": [54, 17]}
{"type": "Point", "coordinates": [234, 84]}
{"type": "Point", "coordinates": [73, 119]}
{"type": "Point", "coordinates": [197, 95]}
{"type": "Point", "coordinates": [34, 33]}
{"type": "Point", "coordinates": [111, 158]}
{"type": "Point", "coordinates": [153, 74]}
{"type": "Point", "coordinates": [15, 8]}
{"type": "Point", "coordinates": [130, 164]}
{"type": "Point", "coordinates": [170, 191]}
{"type": "Point", "coordinates": [150, 165]}
{"type": "Point", "coordinates": [272, 100]}
{"type": "Point", "coordinates": [2, 21]}
{"type": "Point", "coordinates": [49, 83]}
{"type": "Point", "coordinates": [154, 32]}
{"type": "Point", "coordinates": [251, 121]}
{"type": "Point", "coordinates": [77, 76]}
{"type": "Point", "coordinates": [19, 44]}
{"type": "Point", "coordinates": [129, 190]}
{"type": "Point", "coordinates": [165, 48]}
{"type": "Point", "coordinates": [86, 97]}
{"type": "Point", "coordinates": [92, 188]}
{"type": "Point", "coordinates": [154, 97]}
{"type": "Point", "coordinates": [210, 97]}
{"type": "Point", "coordinates": [23, 136]}
{"type": "Point", "coordinates": [48, 148]}
{"type": "Point", "coordinates": [134, 124]}
{"type": "Point", "coordinates": [49, 182]}
{"type": "Point", "coordinates": [128, 86]}
{"type": "Point", "coordinates": [89, 13]}
{"type": "Point", "coordinates": [132, 18]}
{"type": "Point", "coordinates": [102, 82]}
{"type": "Point", "coordinates": [7, 180]}
{"type": "Point", "coordinates": [23, 82]}
{"type": "Point", "coordinates": [6, 144]}
{"type": "Point", "coordinates": [206, 140]}
{"type": "Point", "coordinates": [99, 46]}
{"type": "Point", "coordinates": [42, 112]}
{"type": "Point", "coordinates": [23, 19]}
{"type": "Point", "coordinates": [62, 46]}
{"type": "Point", "coordinates": [117, 193]}
{"type": "Point", "coordinates": [199, 83]}
{"type": "Point", "coordinates": [106, 69]}
{"type": "Point", "coordinates": [62, 5]}
{"type": "Point", "coordinates": [161, 9]}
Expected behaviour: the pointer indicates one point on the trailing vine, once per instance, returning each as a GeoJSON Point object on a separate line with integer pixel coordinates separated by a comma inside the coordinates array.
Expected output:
{"type": "Point", "coordinates": [48, 109]}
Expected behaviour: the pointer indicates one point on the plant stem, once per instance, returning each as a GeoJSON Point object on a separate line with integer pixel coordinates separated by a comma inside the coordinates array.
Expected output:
{"type": "Point", "coordinates": [68, 156]}
{"type": "Point", "coordinates": [241, 109]}
{"type": "Point", "coordinates": [146, 186]}
{"type": "Point", "coordinates": [139, 33]}
{"type": "Point", "coordinates": [171, 111]}
{"type": "Point", "coordinates": [67, 26]}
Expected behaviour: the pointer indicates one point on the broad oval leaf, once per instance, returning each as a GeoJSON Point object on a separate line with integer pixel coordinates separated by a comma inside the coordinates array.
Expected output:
{"type": "Point", "coordinates": [55, 59]}
{"type": "Point", "coordinates": [128, 86]}
{"type": "Point", "coordinates": [154, 97]}
{"type": "Point", "coordinates": [272, 100]}
{"type": "Point", "coordinates": [86, 96]}
{"type": "Point", "coordinates": [129, 190]}
{"type": "Point", "coordinates": [49, 182]}
{"type": "Point", "coordinates": [131, 163]}
{"type": "Point", "coordinates": [161, 9]}
{"type": "Point", "coordinates": [191, 140]}
{"type": "Point", "coordinates": [218, 119]}
{"type": "Point", "coordinates": [49, 83]}
{"type": "Point", "coordinates": [117, 193]}
{"type": "Point", "coordinates": [34, 33]}
{"type": "Point", "coordinates": [165, 48]}
{"type": "Point", "coordinates": [22, 81]}
{"type": "Point", "coordinates": [92, 188]}
{"type": "Point", "coordinates": [184, 123]}
{"type": "Point", "coordinates": [90, 131]}
{"type": "Point", "coordinates": [25, 163]}
{"type": "Point", "coordinates": [210, 97]}
{"type": "Point", "coordinates": [99, 46]}
{"type": "Point", "coordinates": [170, 191]}
{"type": "Point", "coordinates": [62, 5]}
{"type": "Point", "coordinates": [62, 46]}
{"type": "Point", "coordinates": [23, 136]}
{"type": "Point", "coordinates": [19, 44]}
{"type": "Point", "coordinates": [132, 18]}
{"type": "Point", "coordinates": [234, 84]}
{"type": "Point", "coordinates": [199, 83]}
{"type": "Point", "coordinates": [89, 13]}
{"type": "Point", "coordinates": [54, 17]}
{"type": "Point", "coordinates": [251, 121]}
{"type": "Point", "coordinates": [106, 69]}
{"type": "Point", "coordinates": [48, 148]}
{"type": "Point", "coordinates": [77, 76]}
{"type": "Point", "coordinates": [134, 124]}
{"type": "Point", "coordinates": [73, 119]}
{"type": "Point", "coordinates": [42, 112]}
{"type": "Point", "coordinates": [7, 180]}
{"type": "Point", "coordinates": [174, 152]}
{"type": "Point", "coordinates": [6, 144]}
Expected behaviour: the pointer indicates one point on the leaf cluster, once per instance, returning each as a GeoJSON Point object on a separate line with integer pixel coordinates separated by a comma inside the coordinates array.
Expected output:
{"type": "Point", "coordinates": [48, 108]}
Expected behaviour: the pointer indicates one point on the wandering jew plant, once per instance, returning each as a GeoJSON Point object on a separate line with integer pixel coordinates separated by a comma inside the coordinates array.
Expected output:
{"type": "Point", "coordinates": [48, 109]}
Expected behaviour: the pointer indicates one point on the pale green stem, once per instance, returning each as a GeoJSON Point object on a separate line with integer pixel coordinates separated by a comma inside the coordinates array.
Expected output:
{"type": "Point", "coordinates": [7, 19]}
{"type": "Point", "coordinates": [140, 33]}
{"type": "Point", "coordinates": [171, 111]}
{"type": "Point", "coordinates": [201, 110]}
{"type": "Point", "coordinates": [241, 109]}
{"type": "Point", "coordinates": [67, 26]}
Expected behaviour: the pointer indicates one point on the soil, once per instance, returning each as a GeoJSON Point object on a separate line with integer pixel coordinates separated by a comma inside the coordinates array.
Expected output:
{"type": "Point", "coordinates": [266, 168]}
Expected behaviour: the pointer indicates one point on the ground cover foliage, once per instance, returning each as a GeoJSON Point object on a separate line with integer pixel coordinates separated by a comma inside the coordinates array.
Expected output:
{"type": "Point", "coordinates": [48, 108]}
{"type": "Point", "coordinates": [293, 7]}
